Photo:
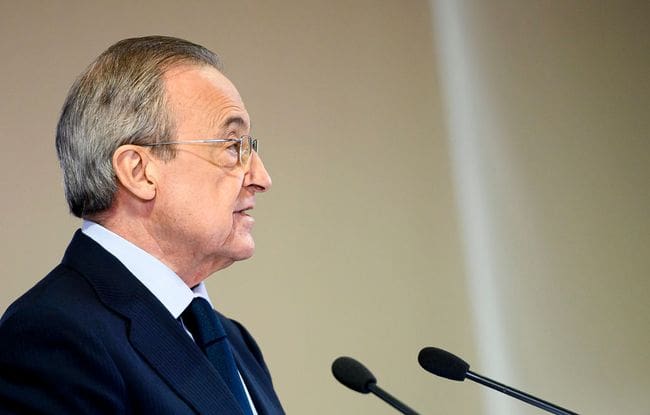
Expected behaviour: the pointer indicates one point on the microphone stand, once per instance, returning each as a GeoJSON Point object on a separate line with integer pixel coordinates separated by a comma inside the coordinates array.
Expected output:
{"type": "Point", "coordinates": [390, 399]}
{"type": "Point", "coordinates": [523, 396]}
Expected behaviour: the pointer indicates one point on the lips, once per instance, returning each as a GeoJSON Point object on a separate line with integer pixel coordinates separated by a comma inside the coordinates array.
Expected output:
{"type": "Point", "coordinates": [243, 210]}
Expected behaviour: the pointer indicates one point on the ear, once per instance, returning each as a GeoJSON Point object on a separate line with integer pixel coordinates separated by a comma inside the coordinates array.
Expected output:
{"type": "Point", "coordinates": [135, 172]}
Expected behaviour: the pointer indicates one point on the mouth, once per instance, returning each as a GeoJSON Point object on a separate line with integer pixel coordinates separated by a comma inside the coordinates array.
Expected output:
{"type": "Point", "coordinates": [243, 211]}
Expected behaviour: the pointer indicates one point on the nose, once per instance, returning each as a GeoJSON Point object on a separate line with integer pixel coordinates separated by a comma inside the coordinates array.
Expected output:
{"type": "Point", "coordinates": [257, 177]}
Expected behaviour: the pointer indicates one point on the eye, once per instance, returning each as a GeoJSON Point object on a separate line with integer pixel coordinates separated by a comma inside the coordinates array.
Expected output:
{"type": "Point", "coordinates": [232, 149]}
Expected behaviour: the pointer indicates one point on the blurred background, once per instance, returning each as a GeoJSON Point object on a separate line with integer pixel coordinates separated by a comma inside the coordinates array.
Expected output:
{"type": "Point", "coordinates": [468, 175]}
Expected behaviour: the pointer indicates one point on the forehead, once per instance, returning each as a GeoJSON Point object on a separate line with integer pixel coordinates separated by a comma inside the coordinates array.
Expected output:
{"type": "Point", "coordinates": [203, 96]}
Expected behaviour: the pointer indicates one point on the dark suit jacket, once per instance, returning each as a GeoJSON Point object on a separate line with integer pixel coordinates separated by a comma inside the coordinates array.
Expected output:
{"type": "Point", "coordinates": [91, 339]}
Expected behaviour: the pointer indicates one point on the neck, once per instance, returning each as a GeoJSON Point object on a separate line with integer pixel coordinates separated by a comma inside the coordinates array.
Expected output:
{"type": "Point", "coordinates": [145, 235]}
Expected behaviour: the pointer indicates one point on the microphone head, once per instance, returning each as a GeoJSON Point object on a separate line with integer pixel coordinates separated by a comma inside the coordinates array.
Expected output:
{"type": "Point", "coordinates": [352, 374]}
{"type": "Point", "coordinates": [442, 363]}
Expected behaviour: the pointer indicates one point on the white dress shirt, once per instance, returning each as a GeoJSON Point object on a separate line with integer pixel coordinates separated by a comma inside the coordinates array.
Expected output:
{"type": "Point", "coordinates": [163, 283]}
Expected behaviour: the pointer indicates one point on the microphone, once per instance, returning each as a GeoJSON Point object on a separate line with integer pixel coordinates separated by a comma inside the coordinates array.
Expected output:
{"type": "Point", "coordinates": [447, 365]}
{"type": "Point", "coordinates": [357, 377]}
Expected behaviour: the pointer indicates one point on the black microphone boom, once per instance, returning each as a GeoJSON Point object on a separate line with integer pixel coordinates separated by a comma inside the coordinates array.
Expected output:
{"type": "Point", "coordinates": [447, 365]}
{"type": "Point", "coordinates": [357, 377]}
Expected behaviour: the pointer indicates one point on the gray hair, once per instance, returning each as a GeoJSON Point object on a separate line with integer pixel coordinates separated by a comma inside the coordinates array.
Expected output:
{"type": "Point", "coordinates": [119, 99]}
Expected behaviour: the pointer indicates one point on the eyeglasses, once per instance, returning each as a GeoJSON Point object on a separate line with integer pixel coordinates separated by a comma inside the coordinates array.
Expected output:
{"type": "Point", "coordinates": [244, 145]}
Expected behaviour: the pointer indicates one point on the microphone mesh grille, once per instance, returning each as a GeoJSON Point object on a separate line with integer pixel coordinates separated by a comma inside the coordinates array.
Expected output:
{"type": "Point", "coordinates": [442, 363]}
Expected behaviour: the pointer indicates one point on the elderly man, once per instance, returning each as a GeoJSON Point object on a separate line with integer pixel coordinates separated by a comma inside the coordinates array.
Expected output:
{"type": "Point", "coordinates": [157, 159]}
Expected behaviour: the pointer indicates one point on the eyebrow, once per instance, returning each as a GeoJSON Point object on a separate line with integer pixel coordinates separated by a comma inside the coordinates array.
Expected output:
{"type": "Point", "coordinates": [235, 120]}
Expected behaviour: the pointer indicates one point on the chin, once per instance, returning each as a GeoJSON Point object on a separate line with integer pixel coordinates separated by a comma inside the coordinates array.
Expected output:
{"type": "Point", "coordinates": [226, 258]}
{"type": "Point", "coordinates": [243, 251]}
{"type": "Point", "coordinates": [244, 254]}
{"type": "Point", "coordinates": [238, 247]}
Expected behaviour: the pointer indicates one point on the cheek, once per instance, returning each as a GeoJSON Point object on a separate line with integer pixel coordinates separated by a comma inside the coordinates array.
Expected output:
{"type": "Point", "coordinates": [220, 202]}
{"type": "Point", "coordinates": [204, 198]}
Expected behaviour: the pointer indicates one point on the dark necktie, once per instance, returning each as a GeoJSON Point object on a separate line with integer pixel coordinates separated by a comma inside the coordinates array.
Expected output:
{"type": "Point", "coordinates": [202, 321]}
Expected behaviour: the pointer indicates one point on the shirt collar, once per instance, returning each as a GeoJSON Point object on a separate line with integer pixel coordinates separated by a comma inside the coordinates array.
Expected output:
{"type": "Point", "coordinates": [157, 277]}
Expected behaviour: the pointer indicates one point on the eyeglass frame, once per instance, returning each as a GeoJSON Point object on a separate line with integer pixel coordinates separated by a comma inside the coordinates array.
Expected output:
{"type": "Point", "coordinates": [252, 145]}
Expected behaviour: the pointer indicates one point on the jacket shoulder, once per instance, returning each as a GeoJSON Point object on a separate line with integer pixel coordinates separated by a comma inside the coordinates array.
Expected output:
{"type": "Point", "coordinates": [49, 345]}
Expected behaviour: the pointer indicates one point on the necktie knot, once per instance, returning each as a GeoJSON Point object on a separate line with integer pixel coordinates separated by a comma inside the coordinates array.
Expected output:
{"type": "Point", "coordinates": [201, 320]}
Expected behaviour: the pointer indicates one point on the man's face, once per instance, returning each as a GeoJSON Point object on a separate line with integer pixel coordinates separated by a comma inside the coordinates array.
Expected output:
{"type": "Point", "coordinates": [204, 194]}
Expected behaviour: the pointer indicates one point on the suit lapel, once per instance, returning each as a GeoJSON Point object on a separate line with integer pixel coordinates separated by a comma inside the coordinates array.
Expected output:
{"type": "Point", "coordinates": [251, 373]}
{"type": "Point", "coordinates": [252, 368]}
{"type": "Point", "coordinates": [179, 361]}
{"type": "Point", "coordinates": [153, 332]}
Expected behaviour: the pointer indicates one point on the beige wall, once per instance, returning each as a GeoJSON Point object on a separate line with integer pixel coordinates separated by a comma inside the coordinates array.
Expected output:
{"type": "Point", "coordinates": [364, 243]}
{"type": "Point", "coordinates": [548, 115]}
